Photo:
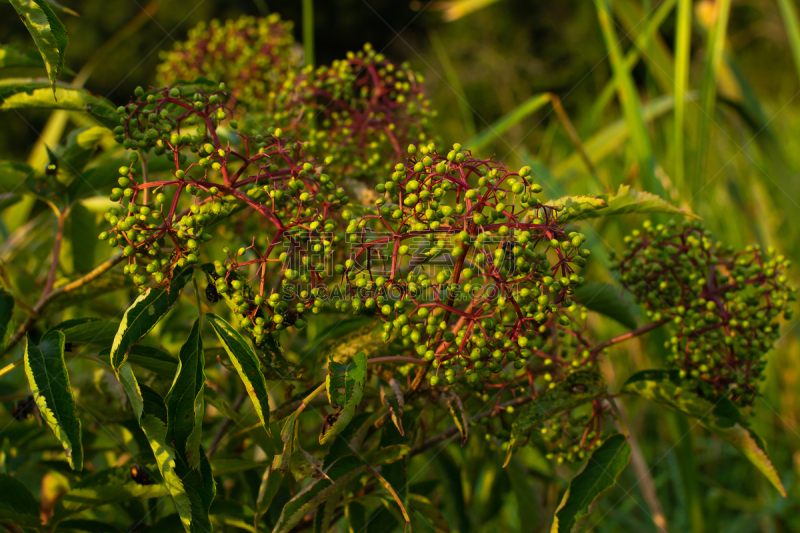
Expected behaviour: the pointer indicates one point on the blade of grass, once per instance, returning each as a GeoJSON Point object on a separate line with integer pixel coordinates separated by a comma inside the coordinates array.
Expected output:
{"type": "Point", "coordinates": [789, 14]}
{"type": "Point", "coordinates": [308, 32]}
{"type": "Point", "coordinates": [455, 83]}
{"type": "Point", "coordinates": [715, 46]}
{"type": "Point", "coordinates": [526, 108]}
{"type": "Point", "coordinates": [683, 37]}
{"type": "Point", "coordinates": [629, 101]}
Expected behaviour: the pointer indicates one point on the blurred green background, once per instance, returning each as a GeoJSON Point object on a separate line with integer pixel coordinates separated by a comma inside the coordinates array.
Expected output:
{"type": "Point", "coordinates": [697, 101]}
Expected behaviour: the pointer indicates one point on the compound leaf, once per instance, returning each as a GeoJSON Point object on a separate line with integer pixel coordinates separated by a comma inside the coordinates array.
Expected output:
{"type": "Point", "coordinates": [577, 389]}
{"type": "Point", "coordinates": [48, 33]}
{"type": "Point", "coordinates": [143, 314]}
{"type": "Point", "coordinates": [345, 386]}
{"type": "Point", "coordinates": [17, 504]}
{"type": "Point", "coordinates": [597, 475]}
{"type": "Point", "coordinates": [49, 382]}
{"type": "Point", "coordinates": [608, 300]}
{"type": "Point", "coordinates": [246, 363]}
{"type": "Point", "coordinates": [721, 417]}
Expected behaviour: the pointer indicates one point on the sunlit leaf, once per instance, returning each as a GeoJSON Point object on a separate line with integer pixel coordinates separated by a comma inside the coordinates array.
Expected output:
{"type": "Point", "coordinates": [49, 382]}
{"type": "Point", "coordinates": [47, 31]}
{"type": "Point", "coordinates": [394, 402]}
{"type": "Point", "coordinates": [345, 386]}
{"type": "Point", "coordinates": [575, 207]}
{"type": "Point", "coordinates": [721, 416]}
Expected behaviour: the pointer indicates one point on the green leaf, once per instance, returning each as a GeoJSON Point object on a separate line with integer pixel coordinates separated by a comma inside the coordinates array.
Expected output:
{"type": "Point", "coordinates": [13, 177]}
{"type": "Point", "coordinates": [232, 466]}
{"type": "Point", "coordinates": [143, 314]}
{"type": "Point", "coordinates": [154, 360]}
{"type": "Point", "coordinates": [575, 207]}
{"type": "Point", "coordinates": [192, 490]}
{"type": "Point", "coordinates": [246, 364]}
{"type": "Point", "coordinates": [390, 454]}
{"type": "Point", "coordinates": [577, 389]}
{"type": "Point", "coordinates": [394, 402]}
{"type": "Point", "coordinates": [598, 474]}
{"type": "Point", "coordinates": [83, 225]}
{"type": "Point", "coordinates": [345, 386]}
{"type": "Point", "coordinates": [49, 382]}
{"type": "Point", "coordinates": [93, 331]}
{"type": "Point", "coordinates": [315, 493]}
{"type": "Point", "coordinates": [630, 201]}
{"type": "Point", "coordinates": [6, 313]}
{"type": "Point", "coordinates": [184, 400]}
{"type": "Point", "coordinates": [225, 514]}
{"type": "Point", "coordinates": [15, 57]}
{"type": "Point", "coordinates": [270, 484]}
{"type": "Point", "coordinates": [608, 300]}
{"type": "Point", "coordinates": [281, 460]}
{"type": "Point", "coordinates": [456, 408]}
{"type": "Point", "coordinates": [17, 504]}
{"type": "Point", "coordinates": [721, 417]}
{"type": "Point", "coordinates": [48, 33]}
{"type": "Point", "coordinates": [32, 93]}
{"type": "Point", "coordinates": [113, 485]}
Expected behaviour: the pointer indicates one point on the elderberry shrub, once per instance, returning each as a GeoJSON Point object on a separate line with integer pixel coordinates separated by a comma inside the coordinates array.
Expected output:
{"type": "Point", "coordinates": [361, 110]}
{"type": "Point", "coordinates": [722, 305]}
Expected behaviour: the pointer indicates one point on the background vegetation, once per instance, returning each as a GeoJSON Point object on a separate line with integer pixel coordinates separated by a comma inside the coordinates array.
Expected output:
{"type": "Point", "coordinates": [696, 100]}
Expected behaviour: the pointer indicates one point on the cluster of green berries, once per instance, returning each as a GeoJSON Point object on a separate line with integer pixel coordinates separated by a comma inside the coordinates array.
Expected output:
{"type": "Point", "coordinates": [361, 110]}
{"type": "Point", "coordinates": [467, 268]}
{"type": "Point", "coordinates": [723, 305]}
{"type": "Point", "coordinates": [254, 55]}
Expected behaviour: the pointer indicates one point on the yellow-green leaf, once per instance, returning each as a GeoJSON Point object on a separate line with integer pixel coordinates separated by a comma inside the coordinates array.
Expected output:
{"type": "Point", "coordinates": [48, 33]}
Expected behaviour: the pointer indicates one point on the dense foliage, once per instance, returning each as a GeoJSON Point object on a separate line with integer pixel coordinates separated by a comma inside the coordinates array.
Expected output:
{"type": "Point", "coordinates": [280, 231]}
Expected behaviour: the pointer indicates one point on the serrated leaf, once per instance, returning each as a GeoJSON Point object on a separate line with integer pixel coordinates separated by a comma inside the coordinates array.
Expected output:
{"type": "Point", "coordinates": [345, 386]}
{"type": "Point", "coordinates": [281, 460]}
{"type": "Point", "coordinates": [315, 493]}
{"type": "Point", "coordinates": [577, 389]}
{"type": "Point", "coordinates": [6, 314]}
{"type": "Point", "coordinates": [394, 401]}
{"type": "Point", "coordinates": [390, 454]}
{"type": "Point", "coordinates": [32, 93]}
{"type": "Point", "coordinates": [575, 207]}
{"type": "Point", "coordinates": [143, 314]}
{"type": "Point", "coordinates": [113, 485]}
{"type": "Point", "coordinates": [721, 417]}
{"type": "Point", "coordinates": [246, 364]}
{"type": "Point", "coordinates": [456, 408]}
{"type": "Point", "coordinates": [17, 504]}
{"type": "Point", "coordinates": [192, 490]}
{"type": "Point", "coordinates": [184, 400]}
{"type": "Point", "coordinates": [597, 475]}
{"type": "Point", "coordinates": [49, 382]}
{"type": "Point", "coordinates": [48, 33]}
{"type": "Point", "coordinates": [608, 300]}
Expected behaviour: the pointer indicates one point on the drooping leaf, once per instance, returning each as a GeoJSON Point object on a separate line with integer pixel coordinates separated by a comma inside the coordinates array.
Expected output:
{"type": "Point", "coordinates": [281, 460]}
{"type": "Point", "coordinates": [143, 314]}
{"type": "Point", "coordinates": [17, 504]}
{"type": "Point", "coordinates": [32, 93]}
{"type": "Point", "coordinates": [456, 408]}
{"type": "Point", "coordinates": [192, 490]}
{"type": "Point", "coordinates": [270, 484]}
{"type": "Point", "coordinates": [316, 492]}
{"type": "Point", "coordinates": [113, 485]}
{"type": "Point", "coordinates": [390, 454]}
{"type": "Point", "coordinates": [577, 389]}
{"type": "Point", "coordinates": [394, 402]}
{"type": "Point", "coordinates": [246, 364]}
{"type": "Point", "coordinates": [345, 386]}
{"type": "Point", "coordinates": [47, 31]}
{"type": "Point", "coordinates": [597, 475]}
{"type": "Point", "coordinates": [721, 416]}
{"type": "Point", "coordinates": [49, 382]}
{"type": "Point", "coordinates": [575, 207]}
{"type": "Point", "coordinates": [6, 313]}
{"type": "Point", "coordinates": [184, 400]}
{"type": "Point", "coordinates": [608, 300]}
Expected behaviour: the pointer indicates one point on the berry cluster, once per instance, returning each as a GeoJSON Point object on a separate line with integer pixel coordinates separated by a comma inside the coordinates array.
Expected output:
{"type": "Point", "coordinates": [360, 110]}
{"type": "Point", "coordinates": [723, 305]}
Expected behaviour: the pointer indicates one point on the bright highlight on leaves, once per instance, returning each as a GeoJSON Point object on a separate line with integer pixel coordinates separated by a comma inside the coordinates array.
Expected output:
{"type": "Point", "coordinates": [48, 33]}
{"type": "Point", "coordinates": [345, 386]}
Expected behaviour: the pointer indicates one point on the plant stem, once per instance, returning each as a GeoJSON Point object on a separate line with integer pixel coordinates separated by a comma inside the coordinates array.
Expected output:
{"type": "Point", "coordinates": [51, 276]}
{"type": "Point", "coordinates": [145, 176]}
{"type": "Point", "coordinates": [629, 335]}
